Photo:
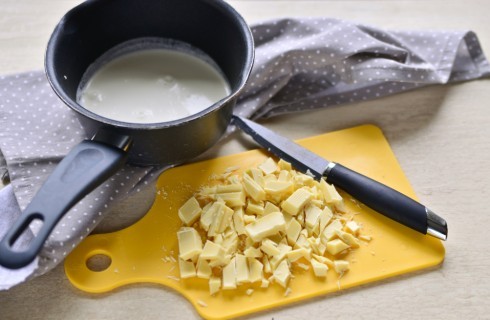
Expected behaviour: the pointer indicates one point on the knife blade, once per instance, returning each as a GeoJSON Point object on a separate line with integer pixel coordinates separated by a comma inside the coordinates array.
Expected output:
{"type": "Point", "coordinates": [373, 194]}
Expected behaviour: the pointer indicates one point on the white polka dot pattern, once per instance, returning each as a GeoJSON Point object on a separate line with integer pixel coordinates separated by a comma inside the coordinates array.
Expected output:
{"type": "Point", "coordinates": [300, 64]}
{"type": "Point", "coordinates": [320, 62]}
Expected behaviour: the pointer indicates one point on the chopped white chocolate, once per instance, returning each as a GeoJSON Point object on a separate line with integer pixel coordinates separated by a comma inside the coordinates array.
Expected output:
{"type": "Point", "coordinates": [320, 269]}
{"type": "Point", "coordinates": [214, 285]}
{"type": "Point", "coordinates": [229, 275]}
{"type": "Point", "coordinates": [258, 176]}
{"type": "Point", "coordinates": [261, 226]}
{"type": "Point", "coordinates": [312, 216]}
{"type": "Point", "coordinates": [331, 195]}
{"type": "Point", "coordinates": [269, 247]}
{"type": "Point", "coordinates": [238, 221]}
{"type": "Point", "coordinates": [282, 274]}
{"type": "Point", "coordinates": [248, 218]}
{"type": "Point", "coordinates": [187, 269]}
{"type": "Point", "coordinates": [325, 218]}
{"type": "Point", "coordinates": [212, 251]}
{"type": "Point", "coordinates": [267, 265]}
{"type": "Point", "coordinates": [255, 208]}
{"type": "Point", "coordinates": [278, 188]}
{"type": "Point", "coordinates": [242, 274]}
{"type": "Point", "coordinates": [348, 238]}
{"type": "Point", "coordinates": [266, 226]}
{"type": "Point", "coordinates": [323, 259]}
{"type": "Point", "coordinates": [330, 230]}
{"type": "Point", "coordinates": [190, 243]}
{"type": "Point", "coordinates": [341, 266]}
{"type": "Point", "coordinates": [252, 252]}
{"type": "Point", "coordinates": [296, 201]}
{"type": "Point", "coordinates": [203, 269]}
{"type": "Point", "coordinates": [303, 266]}
{"type": "Point", "coordinates": [233, 199]}
{"type": "Point", "coordinates": [297, 254]}
{"type": "Point", "coordinates": [270, 207]}
{"type": "Point", "coordinates": [269, 166]}
{"type": "Point", "coordinates": [229, 188]}
{"type": "Point", "coordinates": [336, 246]}
{"type": "Point", "coordinates": [253, 189]}
{"type": "Point", "coordinates": [365, 238]}
{"type": "Point", "coordinates": [284, 165]}
{"type": "Point", "coordinates": [293, 229]}
{"type": "Point", "coordinates": [190, 211]}
{"type": "Point", "coordinates": [255, 270]}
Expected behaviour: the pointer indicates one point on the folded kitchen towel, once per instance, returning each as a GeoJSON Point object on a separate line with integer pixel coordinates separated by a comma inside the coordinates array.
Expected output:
{"type": "Point", "coordinates": [300, 64]}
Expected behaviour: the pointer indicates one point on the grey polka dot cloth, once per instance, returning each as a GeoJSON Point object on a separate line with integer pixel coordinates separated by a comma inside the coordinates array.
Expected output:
{"type": "Point", "coordinates": [300, 64]}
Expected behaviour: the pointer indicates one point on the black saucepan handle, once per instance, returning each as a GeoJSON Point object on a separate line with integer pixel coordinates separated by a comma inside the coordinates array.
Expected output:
{"type": "Point", "coordinates": [379, 197]}
{"type": "Point", "coordinates": [86, 166]}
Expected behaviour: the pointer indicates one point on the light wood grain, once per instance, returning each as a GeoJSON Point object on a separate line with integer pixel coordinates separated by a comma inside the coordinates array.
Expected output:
{"type": "Point", "coordinates": [440, 135]}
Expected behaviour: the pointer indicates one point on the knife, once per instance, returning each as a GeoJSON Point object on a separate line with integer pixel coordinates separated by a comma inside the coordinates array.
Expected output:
{"type": "Point", "coordinates": [373, 194]}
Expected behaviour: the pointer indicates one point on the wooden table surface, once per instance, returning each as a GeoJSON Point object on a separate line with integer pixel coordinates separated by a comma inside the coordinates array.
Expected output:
{"type": "Point", "coordinates": [440, 135]}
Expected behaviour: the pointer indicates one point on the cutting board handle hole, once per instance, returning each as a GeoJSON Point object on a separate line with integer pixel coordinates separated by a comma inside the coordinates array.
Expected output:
{"type": "Point", "coordinates": [98, 262]}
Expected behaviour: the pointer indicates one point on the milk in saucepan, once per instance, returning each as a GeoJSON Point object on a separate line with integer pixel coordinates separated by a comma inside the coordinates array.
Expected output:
{"type": "Point", "coordinates": [152, 85]}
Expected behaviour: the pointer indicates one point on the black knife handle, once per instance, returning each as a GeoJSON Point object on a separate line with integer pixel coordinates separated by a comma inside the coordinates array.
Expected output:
{"type": "Point", "coordinates": [381, 198]}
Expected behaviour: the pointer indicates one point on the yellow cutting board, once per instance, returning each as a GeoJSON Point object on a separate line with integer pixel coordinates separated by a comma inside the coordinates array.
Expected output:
{"type": "Point", "coordinates": [138, 252]}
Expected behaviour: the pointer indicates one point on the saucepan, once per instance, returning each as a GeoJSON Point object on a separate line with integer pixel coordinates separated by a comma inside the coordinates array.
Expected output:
{"type": "Point", "coordinates": [86, 33]}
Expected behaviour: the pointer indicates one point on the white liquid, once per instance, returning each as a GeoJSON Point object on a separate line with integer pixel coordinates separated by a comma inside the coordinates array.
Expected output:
{"type": "Point", "coordinates": [153, 85]}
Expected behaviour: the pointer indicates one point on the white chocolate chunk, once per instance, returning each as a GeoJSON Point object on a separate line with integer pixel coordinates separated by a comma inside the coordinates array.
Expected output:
{"type": "Point", "coordinates": [255, 208]}
{"type": "Point", "coordinates": [214, 285]}
{"type": "Point", "coordinates": [284, 176]}
{"type": "Point", "coordinates": [187, 269]}
{"type": "Point", "coordinates": [341, 266]}
{"type": "Point", "coordinates": [229, 188]}
{"type": "Point", "coordinates": [253, 252]}
{"type": "Point", "coordinates": [190, 243]}
{"type": "Point", "coordinates": [303, 266]}
{"type": "Point", "coordinates": [267, 265]}
{"type": "Point", "coordinates": [242, 274]}
{"type": "Point", "coordinates": [278, 188]}
{"type": "Point", "coordinates": [212, 251]}
{"type": "Point", "coordinates": [203, 269]}
{"type": "Point", "coordinates": [297, 254]}
{"type": "Point", "coordinates": [248, 218]}
{"type": "Point", "coordinates": [253, 189]}
{"type": "Point", "coordinates": [295, 202]}
{"type": "Point", "coordinates": [238, 221]}
{"type": "Point", "coordinates": [255, 270]}
{"type": "Point", "coordinates": [284, 165]}
{"type": "Point", "coordinates": [283, 251]}
{"type": "Point", "coordinates": [266, 226]}
{"type": "Point", "coordinates": [365, 238]}
{"type": "Point", "coordinates": [323, 259]}
{"type": "Point", "coordinates": [293, 229]}
{"type": "Point", "coordinates": [325, 218]}
{"type": "Point", "coordinates": [232, 199]}
{"type": "Point", "coordinates": [352, 227]}
{"type": "Point", "coordinates": [282, 274]}
{"type": "Point", "coordinates": [229, 275]}
{"type": "Point", "coordinates": [258, 176]}
{"type": "Point", "coordinates": [269, 247]}
{"type": "Point", "coordinates": [319, 268]}
{"type": "Point", "coordinates": [329, 231]}
{"type": "Point", "coordinates": [331, 195]}
{"type": "Point", "coordinates": [336, 246]}
{"type": "Point", "coordinates": [348, 238]}
{"type": "Point", "coordinates": [269, 166]}
{"type": "Point", "coordinates": [312, 216]}
{"type": "Point", "coordinates": [270, 207]}
{"type": "Point", "coordinates": [190, 211]}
